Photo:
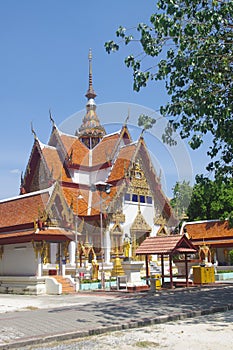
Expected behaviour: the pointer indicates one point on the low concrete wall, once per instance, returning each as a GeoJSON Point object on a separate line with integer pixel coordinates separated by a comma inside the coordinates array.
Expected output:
{"type": "Point", "coordinates": [52, 286]}
{"type": "Point", "coordinates": [22, 285]}
{"type": "Point", "coordinates": [224, 276]}
{"type": "Point", "coordinates": [30, 285]}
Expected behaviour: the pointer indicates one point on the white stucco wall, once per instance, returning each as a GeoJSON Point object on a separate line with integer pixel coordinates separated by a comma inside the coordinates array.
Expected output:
{"type": "Point", "coordinates": [18, 260]}
{"type": "Point", "coordinates": [89, 178]}
{"type": "Point", "coordinates": [130, 210]}
{"type": "Point", "coordinates": [80, 177]}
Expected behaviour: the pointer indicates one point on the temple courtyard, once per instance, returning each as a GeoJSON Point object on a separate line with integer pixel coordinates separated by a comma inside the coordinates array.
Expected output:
{"type": "Point", "coordinates": [172, 319]}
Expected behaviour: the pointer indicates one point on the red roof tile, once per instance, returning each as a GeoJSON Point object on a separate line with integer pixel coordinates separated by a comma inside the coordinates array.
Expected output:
{"type": "Point", "coordinates": [122, 163]}
{"type": "Point", "coordinates": [22, 209]}
{"type": "Point", "coordinates": [50, 234]}
{"type": "Point", "coordinates": [102, 153]}
{"type": "Point", "coordinates": [80, 153]}
{"type": "Point", "coordinates": [206, 230]}
{"type": "Point", "coordinates": [165, 245]}
{"type": "Point", "coordinates": [90, 203]}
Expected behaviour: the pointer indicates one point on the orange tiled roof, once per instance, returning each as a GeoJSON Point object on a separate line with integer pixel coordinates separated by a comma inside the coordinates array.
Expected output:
{"type": "Point", "coordinates": [55, 164]}
{"type": "Point", "coordinates": [165, 245]}
{"type": "Point", "coordinates": [208, 229]}
{"type": "Point", "coordinates": [53, 234]}
{"type": "Point", "coordinates": [122, 162]}
{"type": "Point", "coordinates": [79, 151]}
{"type": "Point", "coordinates": [53, 161]}
{"type": "Point", "coordinates": [104, 149]}
{"type": "Point", "coordinates": [22, 209]}
{"type": "Point", "coordinates": [71, 195]}
{"type": "Point", "coordinates": [90, 203]}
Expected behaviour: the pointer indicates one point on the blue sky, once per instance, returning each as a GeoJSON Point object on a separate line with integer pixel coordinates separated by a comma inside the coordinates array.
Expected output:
{"type": "Point", "coordinates": [44, 65]}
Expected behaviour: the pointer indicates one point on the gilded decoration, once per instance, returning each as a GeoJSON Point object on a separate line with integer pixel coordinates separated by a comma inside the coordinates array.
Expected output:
{"type": "Point", "coordinates": [160, 220]}
{"type": "Point", "coordinates": [140, 224]}
{"type": "Point", "coordinates": [66, 213]}
{"type": "Point", "coordinates": [138, 183]}
{"type": "Point", "coordinates": [204, 253]}
{"type": "Point", "coordinates": [116, 232]}
{"type": "Point", "coordinates": [116, 238]}
{"type": "Point", "coordinates": [46, 254]}
{"type": "Point", "coordinates": [39, 248]}
{"type": "Point", "coordinates": [139, 231]}
{"type": "Point", "coordinates": [65, 250]}
{"type": "Point", "coordinates": [87, 252]}
{"type": "Point", "coordinates": [118, 217]}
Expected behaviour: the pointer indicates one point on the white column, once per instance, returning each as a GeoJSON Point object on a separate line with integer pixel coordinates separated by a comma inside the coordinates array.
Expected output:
{"type": "Point", "coordinates": [107, 246]}
{"type": "Point", "coordinates": [53, 252]}
{"type": "Point", "coordinates": [72, 252]}
{"type": "Point", "coordinates": [39, 266]}
{"type": "Point", "coordinates": [63, 269]}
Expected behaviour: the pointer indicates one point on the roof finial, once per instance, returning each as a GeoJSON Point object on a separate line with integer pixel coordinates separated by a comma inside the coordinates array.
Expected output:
{"type": "Point", "coordinates": [90, 92]}
{"type": "Point", "coordinates": [51, 118]}
{"type": "Point", "coordinates": [33, 132]}
{"type": "Point", "coordinates": [127, 118]}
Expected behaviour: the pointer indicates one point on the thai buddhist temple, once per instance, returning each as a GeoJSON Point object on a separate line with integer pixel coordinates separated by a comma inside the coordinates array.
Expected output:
{"type": "Point", "coordinates": [87, 201]}
{"type": "Point", "coordinates": [214, 239]}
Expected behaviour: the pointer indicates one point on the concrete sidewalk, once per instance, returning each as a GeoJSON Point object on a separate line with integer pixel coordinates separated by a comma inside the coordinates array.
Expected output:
{"type": "Point", "coordinates": [49, 318]}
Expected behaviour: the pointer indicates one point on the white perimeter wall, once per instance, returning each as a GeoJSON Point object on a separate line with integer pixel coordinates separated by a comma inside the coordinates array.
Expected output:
{"type": "Point", "coordinates": [18, 260]}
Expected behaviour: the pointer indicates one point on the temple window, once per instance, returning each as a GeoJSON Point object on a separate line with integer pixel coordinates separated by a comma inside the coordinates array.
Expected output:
{"type": "Point", "coordinates": [127, 197]}
{"type": "Point", "coordinates": [142, 199]}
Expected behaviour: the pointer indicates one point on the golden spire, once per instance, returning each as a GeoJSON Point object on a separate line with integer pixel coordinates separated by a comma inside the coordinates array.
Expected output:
{"type": "Point", "coordinates": [90, 92]}
{"type": "Point", "coordinates": [90, 131]}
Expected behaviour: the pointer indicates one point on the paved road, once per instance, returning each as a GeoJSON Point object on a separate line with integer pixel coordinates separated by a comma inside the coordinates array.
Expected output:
{"type": "Point", "coordinates": [95, 313]}
{"type": "Point", "coordinates": [208, 332]}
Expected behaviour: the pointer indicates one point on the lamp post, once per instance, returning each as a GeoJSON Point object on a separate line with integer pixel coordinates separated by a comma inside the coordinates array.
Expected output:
{"type": "Point", "coordinates": [76, 239]}
{"type": "Point", "coordinates": [101, 187]}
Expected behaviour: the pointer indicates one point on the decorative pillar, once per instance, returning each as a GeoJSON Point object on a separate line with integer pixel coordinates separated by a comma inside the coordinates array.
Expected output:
{"type": "Point", "coordinates": [186, 270]}
{"type": "Point", "coordinates": [147, 269]}
{"type": "Point", "coordinates": [72, 252]}
{"type": "Point", "coordinates": [39, 249]}
{"type": "Point", "coordinates": [170, 270]}
{"type": "Point", "coordinates": [53, 252]}
{"type": "Point", "coordinates": [162, 269]}
{"type": "Point", "coordinates": [107, 247]}
{"type": "Point", "coordinates": [39, 266]}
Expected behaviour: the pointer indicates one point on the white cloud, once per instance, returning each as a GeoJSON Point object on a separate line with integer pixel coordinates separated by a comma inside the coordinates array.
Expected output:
{"type": "Point", "coordinates": [15, 171]}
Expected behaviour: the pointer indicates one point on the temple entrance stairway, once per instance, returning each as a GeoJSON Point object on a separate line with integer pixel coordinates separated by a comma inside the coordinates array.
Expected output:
{"type": "Point", "coordinates": [67, 287]}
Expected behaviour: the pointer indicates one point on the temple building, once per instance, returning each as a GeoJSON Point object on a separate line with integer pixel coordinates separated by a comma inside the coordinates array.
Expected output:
{"type": "Point", "coordinates": [86, 198]}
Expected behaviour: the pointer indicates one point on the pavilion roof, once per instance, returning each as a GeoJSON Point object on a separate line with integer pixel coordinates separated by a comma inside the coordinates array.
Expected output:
{"type": "Point", "coordinates": [208, 230]}
{"type": "Point", "coordinates": [166, 245]}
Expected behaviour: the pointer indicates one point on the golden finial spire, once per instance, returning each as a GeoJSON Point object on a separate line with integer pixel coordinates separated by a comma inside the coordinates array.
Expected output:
{"type": "Point", "coordinates": [90, 92]}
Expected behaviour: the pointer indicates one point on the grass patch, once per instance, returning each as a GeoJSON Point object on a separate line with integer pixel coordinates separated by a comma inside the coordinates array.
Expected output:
{"type": "Point", "coordinates": [146, 344]}
{"type": "Point", "coordinates": [31, 308]}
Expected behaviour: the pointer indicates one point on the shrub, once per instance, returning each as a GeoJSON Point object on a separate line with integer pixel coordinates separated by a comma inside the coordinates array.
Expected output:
{"type": "Point", "coordinates": [231, 257]}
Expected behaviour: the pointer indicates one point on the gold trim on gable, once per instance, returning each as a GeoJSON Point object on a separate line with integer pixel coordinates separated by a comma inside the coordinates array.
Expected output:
{"type": "Point", "coordinates": [140, 224]}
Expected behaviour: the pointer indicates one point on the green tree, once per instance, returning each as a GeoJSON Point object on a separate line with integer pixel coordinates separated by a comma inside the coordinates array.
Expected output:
{"type": "Point", "coordinates": [211, 200]}
{"type": "Point", "coordinates": [182, 192]}
{"type": "Point", "coordinates": [189, 44]}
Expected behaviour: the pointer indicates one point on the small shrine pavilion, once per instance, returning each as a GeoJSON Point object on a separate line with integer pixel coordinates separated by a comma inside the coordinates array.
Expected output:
{"type": "Point", "coordinates": [167, 246]}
